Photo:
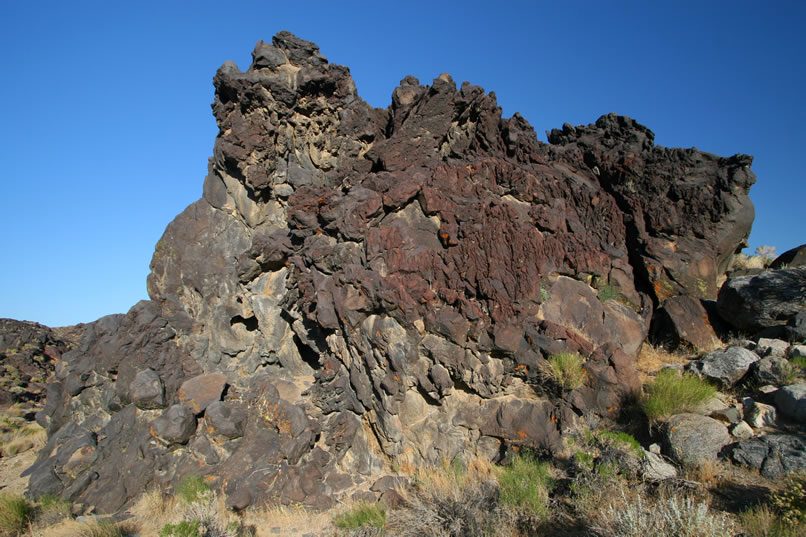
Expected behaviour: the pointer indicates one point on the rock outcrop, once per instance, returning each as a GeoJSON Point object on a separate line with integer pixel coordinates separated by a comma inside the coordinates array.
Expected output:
{"type": "Point", "coordinates": [29, 353]}
{"type": "Point", "coordinates": [364, 287]}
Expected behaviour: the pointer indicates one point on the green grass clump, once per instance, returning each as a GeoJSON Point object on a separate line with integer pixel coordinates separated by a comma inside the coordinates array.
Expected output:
{"type": "Point", "coordinates": [362, 515]}
{"type": "Point", "coordinates": [624, 439]}
{"type": "Point", "coordinates": [566, 368]}
{"type": "Point", "coordinates": [671, 394]}
{"type": "Point", "coordinates": [185, 528]}
{"type": "Point", "coordinates": [192, 489]}
{"type": "Point", "coordinates": [525, 484]}
{"type": "Point", "coordinates": [799, 361]}
{"type": "Point", "coordinates": [608, 292]}
{"type": "Point", "coordinates": [15, 514]}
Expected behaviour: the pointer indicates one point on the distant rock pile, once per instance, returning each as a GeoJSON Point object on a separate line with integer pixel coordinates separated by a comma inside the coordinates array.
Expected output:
{"type": "Point", "coordinates": [365, 288]}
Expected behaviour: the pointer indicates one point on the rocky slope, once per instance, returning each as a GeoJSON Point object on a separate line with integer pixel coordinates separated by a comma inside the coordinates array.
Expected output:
{"type": "Point", "coordinates": [362, 288]}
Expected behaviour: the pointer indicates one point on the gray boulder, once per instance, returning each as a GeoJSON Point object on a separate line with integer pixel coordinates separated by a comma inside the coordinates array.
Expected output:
{"type": "Point", "coordinates": [773, 455]}
{"type": "Point", "coordinates": [225, 419]}
{"type": "Point", "coordinates": [176, 425]}
{"type": "Point", "coordinates": [146, 391]}
{"type": "Point", "coordinates": [770, 299]}
{"type": "Point", "coordinates": [725, 367]}
{"type": "Point", "coordinates": [771, 370]}
{"type": "Point", "coordinates": [655, 467]}
{"type": "Point", "coordinates": [692, 438]}
{"type": "Point", "coordinates": [771, 347]}
{"type": "Point", "coordinates": [791, 401]}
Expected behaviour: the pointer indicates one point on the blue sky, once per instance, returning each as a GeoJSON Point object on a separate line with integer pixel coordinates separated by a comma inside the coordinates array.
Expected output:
{"type": "Point", "coordinates": [107, 124]}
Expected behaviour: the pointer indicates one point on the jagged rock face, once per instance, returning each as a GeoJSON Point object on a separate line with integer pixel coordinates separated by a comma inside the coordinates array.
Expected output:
{"type": "Point", "coordinates": [385, 286]}
{"type": "Point", "coordinates": [28, 355]}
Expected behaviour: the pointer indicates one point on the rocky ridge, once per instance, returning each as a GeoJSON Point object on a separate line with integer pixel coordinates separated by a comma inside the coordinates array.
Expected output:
{"type": "Point", "coordinates": [362, 288]}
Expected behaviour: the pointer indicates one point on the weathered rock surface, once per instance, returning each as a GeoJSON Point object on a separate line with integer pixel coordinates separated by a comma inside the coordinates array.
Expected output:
{"type": "Point", "coordinates": [381, 285]}
{"type": "Point", "coordinates": [28, 355]}
{"type": "Point", "coordinates": [796, 257]}
{"type": "Point", "coordinates": [791, 401]}
{"type": "Point", "coordinates": [724, 366]}
{"type": "Point", "coordinates": [769, 302]}
{"type": "Point", "coordinates": [774, 455]}
{"type": "Point", "coordinates": [692, 438]}
{"type": "Point", "coordinates": [683, 321]}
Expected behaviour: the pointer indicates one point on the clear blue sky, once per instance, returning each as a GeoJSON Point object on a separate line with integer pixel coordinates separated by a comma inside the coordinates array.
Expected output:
{"type": "Point", "coordinates": [107, 126]}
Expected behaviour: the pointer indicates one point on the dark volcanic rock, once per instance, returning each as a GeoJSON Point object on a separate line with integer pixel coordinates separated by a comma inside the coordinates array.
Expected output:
{"type": "Point", "coordinates": [796, 257]}
{"type": "Point", "coordinates": [773, 455]}
{"type": "Point", "coordinates": [386, 284]}
{"type": "Point", "coordinates": [768, 300]}
{"type": "Point", "coordinates": [28, 355]}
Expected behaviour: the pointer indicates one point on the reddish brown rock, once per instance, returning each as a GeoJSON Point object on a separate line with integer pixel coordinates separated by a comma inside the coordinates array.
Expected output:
{"type": "Point", "coordinates": [683, 321]}
{"type": "Point", "coordinates": [199, 392]}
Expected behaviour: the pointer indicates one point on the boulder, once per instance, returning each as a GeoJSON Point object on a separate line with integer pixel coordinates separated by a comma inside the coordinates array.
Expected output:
{"type": "Point", "coordinates": [683, 321]}
{"type": "Point", "coordinates": [655, 467]}
{"type": "Point", "coordinates": [771, 347]}
{"type": "Point", "coordinates": [741, 431]}
{"type": "Point", "coordinates": [225, 419]}
{"type": "Point", "coordinates": [199, 392]}
{"type": "Point", "coordinates": [773, 370]}
{"type": "Point", "coordinates": [774, 455]}
{"type": "Point", "coordinates": [758, 414]}
{"type": "Point", "coordinates": [692, 438]}
{"type": "Point", "coordinates": [791, 401]}
{"type": "Point", "coordinates": [767, 300]}
{"type": "Point", "coordinates": [730, 415]}
{"type": "Point", "coordinates": [725, 366]}
{"type": "Point", "coordinates": [796, 257]}
{"type": "Point", "coordinates": [175, 426]}
{"type": "Point", "coordinates": [146, 391]}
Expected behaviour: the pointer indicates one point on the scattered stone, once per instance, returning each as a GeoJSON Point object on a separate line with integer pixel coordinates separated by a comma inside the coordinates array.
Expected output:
{"type": "Point", "coordinates": [741, 431]}
{"type": "Point", "coordinates": [239, 500]}
{"type": "Point", "coordinates": [774, 455]}
{"type": "Point", "coordinates": [759, 415]}
{"type": "Point", "coordinates": [767, 390]}
{"type": "Point", "coordinates": [730, 415]}
{"type": "Point", "coordinates": [655, 448]}
{"type": "Point", "coordinates": [771, 347]}
{"type": "Point", "coordinates": [772, 370]}
{"type": "Point", "coordinates": [655, 467]}
{"type": "Point", "coordinates": [727, 367]}
{"type": "Point", "coordinates": [791, 401]}
{"type": "Point", "coordinates": [796, 351]}
{"type": "Point", "coordinates": [692, 438]}
{"type": "Point", "coordinates": [199, 392]}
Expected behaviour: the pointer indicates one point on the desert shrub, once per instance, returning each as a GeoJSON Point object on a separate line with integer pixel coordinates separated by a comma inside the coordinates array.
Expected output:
{"type": "Point", "coordinates": [361, 515]}
{"type": "Point", "coordinates": [454, 500]}
{"type": "Point", "coordinates": [761, 521]}
{"type": "Point", "coordinates": [671, 393]}
{"type": "Point", "coordinates": [525, 485]}
{"type": "Point", "coordinates": [791, 500]}
{"type": "Point", "coordinates": [15, 513]}
{"type": "Point", "coordinates": [566, 369]}
{"type": "Point", "coordinates": [192, 489]}
{"type": "Point", "coordinates": [671, 517]}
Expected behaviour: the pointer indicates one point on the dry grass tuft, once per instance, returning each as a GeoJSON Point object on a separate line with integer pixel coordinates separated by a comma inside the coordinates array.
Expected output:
{"type": "Point", "coordinates": [295, 521]}
{"type": "Point", "coordinates": [29, 436]}
{"type": "Point", "coordinates": [652, 359]}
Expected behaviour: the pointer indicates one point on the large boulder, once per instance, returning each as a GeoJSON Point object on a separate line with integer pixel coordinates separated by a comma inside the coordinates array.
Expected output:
{"type": "Point", "coordinates": [796, 257]}
{"type": "Point", "coordinates": [763, 302]}
{"type": "Point", "coordinates": [694, 439]}
{"type": "Point", "coordinates": [773, 455]}
{"type": "Point", "coordinates": [791, 401]}
{"type": "Point", "coordinates": [682, 321]}
{"type": "Point", "coordinates": [725, 367]}
{"type": "Point", "coordinates": [375, 285]}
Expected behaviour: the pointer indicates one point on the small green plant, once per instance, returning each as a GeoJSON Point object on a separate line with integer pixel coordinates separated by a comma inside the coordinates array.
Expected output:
{"type": "Point", "coordinates": [15, 514]}
{"type": "Point", "coordinates": [608, 292]}
{"type": "Point", "coordinates": [192, 489]}
{"type": "Point", "coordinates": [185, 528]}
{"type": "Point", "coordinates": [525, 484]}
{"type": "Point", "coordinates": [566, 368]}
{"type": "Point", "coordinates": [799, 362]}
{"type": "Point", "coordinates": [51, 506]}
{"type": "Point", "coordinates": [618, 438]}
{"type": "Point", "coordinates": [362, 515]}
{"type": "Point", "coordinates": [791, 500]}
{"type": "Point", "coordinates": [671, 394]}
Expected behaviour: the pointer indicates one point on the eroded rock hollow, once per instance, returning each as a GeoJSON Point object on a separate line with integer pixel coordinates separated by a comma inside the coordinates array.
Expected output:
{"type": "Point", "coordinates": [361, 289]}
